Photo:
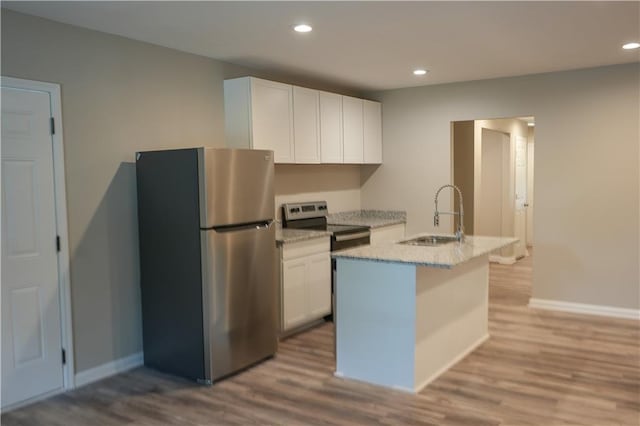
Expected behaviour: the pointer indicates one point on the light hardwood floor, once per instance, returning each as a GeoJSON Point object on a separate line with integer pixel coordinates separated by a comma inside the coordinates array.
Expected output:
{"type": "Point", "coordinates": [538, 368]}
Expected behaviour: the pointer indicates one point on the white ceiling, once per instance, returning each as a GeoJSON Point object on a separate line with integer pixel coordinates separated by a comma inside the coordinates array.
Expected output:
{"type": "Point", "coordinates": [374, 45]}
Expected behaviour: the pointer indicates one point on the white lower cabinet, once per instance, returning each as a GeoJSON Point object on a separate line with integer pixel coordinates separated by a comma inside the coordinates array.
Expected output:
{"type": "Point", "coordinates": [294, 293]}
{"type": "Point", "coordinates": [387, 234]}
{"type": "Point", "coordinates": [318, 281]}
{"type": "Point", "coordinates": [306, 282]}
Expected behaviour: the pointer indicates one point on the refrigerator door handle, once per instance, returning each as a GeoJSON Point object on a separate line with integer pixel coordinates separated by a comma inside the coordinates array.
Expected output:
{"type": "Point", "coordinates": [263, 224]}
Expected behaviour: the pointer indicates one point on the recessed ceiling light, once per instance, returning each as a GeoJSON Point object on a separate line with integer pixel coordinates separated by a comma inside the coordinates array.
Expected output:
{"type": "Point", "coordinates": [630, 46]}
{"type": "Point", "coordinates": [531, 124]}
{"type": "Point", "coordinates": [419, 72]}
{"type": "Point", "coordinates": [302, 28]}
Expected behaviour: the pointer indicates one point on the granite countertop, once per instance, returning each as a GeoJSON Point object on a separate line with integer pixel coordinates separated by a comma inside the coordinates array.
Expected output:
{"type": "Point", "coordinates": [370, 218]}
{"type": "Point", "coordinates": [288, 235]}
{"type": "Point", "coordinates": [444, 256]}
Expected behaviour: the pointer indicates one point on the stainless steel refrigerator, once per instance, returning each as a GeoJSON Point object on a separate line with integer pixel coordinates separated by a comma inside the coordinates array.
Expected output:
{"type": "Point", "coordinates": [207, 260]}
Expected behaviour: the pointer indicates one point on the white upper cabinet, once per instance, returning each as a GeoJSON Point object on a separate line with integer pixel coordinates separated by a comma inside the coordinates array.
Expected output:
{"type": "Point", "coordinates": [352, 130]}
{"type": "Point", "coordinates": [259, 115]}
{"type": "Point", "coordinates": [301, 126]}
{"type": "Point", "coordinates": [372, 119]}
{"type": "Point", "coordinates": [306, 125]}
{"type": "Point", "coordinates": [330, 128]}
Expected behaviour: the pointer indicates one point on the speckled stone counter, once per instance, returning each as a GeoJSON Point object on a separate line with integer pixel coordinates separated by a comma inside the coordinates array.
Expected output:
{"type": "Point", "coordinates": [370, 218]}
{"type": "Point", "coordinates": [287, 235]}
{"type": "Point", "coordinates": [442, 256]}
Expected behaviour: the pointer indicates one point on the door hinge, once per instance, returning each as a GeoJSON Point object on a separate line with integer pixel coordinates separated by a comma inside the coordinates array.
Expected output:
{"type": "Point", "coordinates": [53, 126]}
{"type": "Point", "coordinates": [64, 357]}
{"type": "Point", "coordinates": [58, 242]}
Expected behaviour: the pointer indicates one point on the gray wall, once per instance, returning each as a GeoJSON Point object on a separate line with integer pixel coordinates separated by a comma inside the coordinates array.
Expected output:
{"type": "Point", "coordinates": [586, 170]}
{"type": "Point", "coordinates": [120, 96]}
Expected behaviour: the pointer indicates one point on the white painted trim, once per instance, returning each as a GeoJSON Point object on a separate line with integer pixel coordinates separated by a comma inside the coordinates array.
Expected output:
{"type": "Point", "coordinates": [502, 260]}
{"type": "Point", "coordinates": [64, 279]}
{"type": "Point", "coordinates": [109, 369]}
{"type": "Point", "coordinates": [582, 308]}
{"type": "Point", "coordinates": [453, 362]}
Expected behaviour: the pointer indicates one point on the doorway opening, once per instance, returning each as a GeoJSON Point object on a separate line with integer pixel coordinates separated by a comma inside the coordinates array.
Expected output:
{"type": "Point", "coordinates": [493, 165]}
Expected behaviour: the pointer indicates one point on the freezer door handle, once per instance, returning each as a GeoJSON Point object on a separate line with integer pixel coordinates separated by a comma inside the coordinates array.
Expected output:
{"type": "Point", "coordinates": [263, 224]}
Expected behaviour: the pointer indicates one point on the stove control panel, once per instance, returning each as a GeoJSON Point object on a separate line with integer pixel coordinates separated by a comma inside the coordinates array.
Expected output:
{"type": "Point", "coordinates": [307, 210]}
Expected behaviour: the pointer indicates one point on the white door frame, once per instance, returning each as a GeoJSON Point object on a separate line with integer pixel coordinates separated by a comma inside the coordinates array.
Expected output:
{"type": "Point", "coordinates": [64, 279]}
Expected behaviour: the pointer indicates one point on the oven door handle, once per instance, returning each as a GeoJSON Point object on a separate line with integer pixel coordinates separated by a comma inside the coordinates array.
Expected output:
{"type": "Point", "coordinates": [349, 237]}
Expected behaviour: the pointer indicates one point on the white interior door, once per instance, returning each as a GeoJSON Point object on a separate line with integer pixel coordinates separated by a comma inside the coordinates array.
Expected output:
{"type": "Point", "coordinates": [489, 212]}
{"type": "Point", "coordinates": [520, 221]}
{"type": "Point", "coordinates": [31, 334]}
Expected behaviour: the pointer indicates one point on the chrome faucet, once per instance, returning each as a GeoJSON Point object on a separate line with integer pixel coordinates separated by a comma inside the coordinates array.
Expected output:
{"type": "Point", "coordinates": [436, 215]}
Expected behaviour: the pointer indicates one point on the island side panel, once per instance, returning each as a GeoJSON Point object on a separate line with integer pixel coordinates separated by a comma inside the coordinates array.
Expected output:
{"type": "Point", "coordinates": [375, 322]}
{"type": "Point", "coordinates": [451, 316]}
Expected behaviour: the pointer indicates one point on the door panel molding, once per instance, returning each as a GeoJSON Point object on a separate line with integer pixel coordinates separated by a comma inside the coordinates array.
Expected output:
{"type": "Point", "coordinates": [60, 197]}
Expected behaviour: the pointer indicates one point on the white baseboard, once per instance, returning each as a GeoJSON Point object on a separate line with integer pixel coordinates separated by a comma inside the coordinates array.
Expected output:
{"type": "Point", "coordinates": [30, 401]}
{"type": "Point", "coordinates": [581, 308]}
{"type": "Point", "coordinates": [109, 369]}
{"type": "Point", "coordinates": [503, 260]}
{"type": "Point", "coordinates": [450, 364]}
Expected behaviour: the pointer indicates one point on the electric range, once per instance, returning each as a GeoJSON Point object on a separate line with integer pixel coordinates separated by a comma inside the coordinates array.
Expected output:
{"type": "Point", "coordinates": [313, 216]}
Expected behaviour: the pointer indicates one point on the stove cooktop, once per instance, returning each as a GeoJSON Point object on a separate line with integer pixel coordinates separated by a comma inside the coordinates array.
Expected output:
{"type": "Point", "coordinates": [334, 229]}
{"type": "Point", "coordinates": [312, 216]}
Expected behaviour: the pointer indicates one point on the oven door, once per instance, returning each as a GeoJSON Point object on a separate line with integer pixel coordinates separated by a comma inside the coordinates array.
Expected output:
{"type": "Point", "coordinates": [345, 241]}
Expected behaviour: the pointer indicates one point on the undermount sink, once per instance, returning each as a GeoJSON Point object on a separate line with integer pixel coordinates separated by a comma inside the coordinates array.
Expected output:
{"type": "Point", "coordinates": [430, 240]}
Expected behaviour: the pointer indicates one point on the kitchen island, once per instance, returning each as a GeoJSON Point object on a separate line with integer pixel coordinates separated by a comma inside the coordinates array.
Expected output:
{"type": "Point", "coordinates": [405, 313]}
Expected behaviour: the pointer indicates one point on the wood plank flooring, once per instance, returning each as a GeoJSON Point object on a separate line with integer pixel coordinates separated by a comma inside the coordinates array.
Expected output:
{"type": "Point", "coordinates": [538, 368]}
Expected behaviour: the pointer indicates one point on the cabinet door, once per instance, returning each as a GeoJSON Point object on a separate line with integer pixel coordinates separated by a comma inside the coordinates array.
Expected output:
{"type": "Point", "coordinates": [330, 128]}
{"type": "Point", "coordinates": [319, 285]}
{"type": "Point", "coordinates": [352, 130]}
{"type": "Point", "coordinates": [372, 119]}
{"type": "Point", "coordinates": [294, 297]}
{"type": "Point", "coordinates": [272, 118]}
{"type": "Point", "coordinates": [306, 134]}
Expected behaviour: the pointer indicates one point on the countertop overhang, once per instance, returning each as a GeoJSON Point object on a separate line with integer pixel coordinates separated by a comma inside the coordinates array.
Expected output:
{"type": "Point", "coordinates": [443, 256]}
{"type": "Point", "coordinates": [289, 235]}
